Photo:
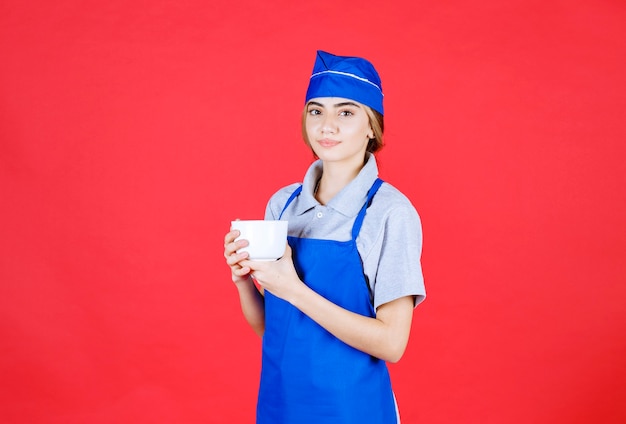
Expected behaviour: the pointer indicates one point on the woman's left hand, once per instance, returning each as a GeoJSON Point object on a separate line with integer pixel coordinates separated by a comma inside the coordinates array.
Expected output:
{"type": "Point", "coordinates": [279, 277]}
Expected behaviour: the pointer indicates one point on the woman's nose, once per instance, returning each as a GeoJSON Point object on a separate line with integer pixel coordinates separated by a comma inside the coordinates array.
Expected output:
{"type": "Point", "coordinates": [329, 124]}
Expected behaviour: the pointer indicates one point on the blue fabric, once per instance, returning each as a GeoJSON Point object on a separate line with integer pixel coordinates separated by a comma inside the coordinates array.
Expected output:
{"type": "Point", "coordinates": [348, 77]}
{"type": "Point", "coordinates": [309, 376]}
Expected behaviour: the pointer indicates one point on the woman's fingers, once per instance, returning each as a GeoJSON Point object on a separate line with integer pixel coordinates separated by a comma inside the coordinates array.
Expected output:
{"type": "Point", "coordinates": [231, 245]}
{"type": "Point", "coordinates": [241, 271]}
{"type": "Point", "coordinates": [231, 236]}
{"type": "Point", "coordinates": [234, 258]}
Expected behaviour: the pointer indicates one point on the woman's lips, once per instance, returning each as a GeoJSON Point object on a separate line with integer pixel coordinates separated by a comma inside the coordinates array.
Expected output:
{"type": "Point", "coordinates": [328, 143]}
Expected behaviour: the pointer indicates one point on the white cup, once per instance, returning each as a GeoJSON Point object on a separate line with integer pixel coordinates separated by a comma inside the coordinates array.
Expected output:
{"type": "Point", "coordinates": [266, 239]}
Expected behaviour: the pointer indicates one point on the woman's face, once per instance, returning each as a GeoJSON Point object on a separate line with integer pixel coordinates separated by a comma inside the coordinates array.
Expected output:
{"type": "Point", "coordinates": [338, 129]}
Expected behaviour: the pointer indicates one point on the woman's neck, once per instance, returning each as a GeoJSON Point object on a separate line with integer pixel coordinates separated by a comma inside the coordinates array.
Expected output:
{"type": "Point", "coordinates": [335, 177]}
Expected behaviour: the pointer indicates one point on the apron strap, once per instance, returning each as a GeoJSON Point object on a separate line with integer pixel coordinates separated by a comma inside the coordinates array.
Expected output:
{"type": "Point", "coordinates": [293, 196]}
{"type": "Point", "coordinates": [359, 219]}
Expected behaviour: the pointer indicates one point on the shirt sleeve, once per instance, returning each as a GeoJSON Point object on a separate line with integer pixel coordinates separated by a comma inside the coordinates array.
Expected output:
{"type": "Point", "coordinates": [399, 270]}
{"type": "Point", "coordinates": [269, 211]}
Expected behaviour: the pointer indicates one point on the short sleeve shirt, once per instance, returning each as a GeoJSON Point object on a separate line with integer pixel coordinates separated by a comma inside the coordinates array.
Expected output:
{"type": "Point", "coordinates": [390, 240]}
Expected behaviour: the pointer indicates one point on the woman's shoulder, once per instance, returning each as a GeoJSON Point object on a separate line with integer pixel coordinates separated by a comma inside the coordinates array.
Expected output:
{"type": "Point", "coordinates": [284, 192]}
{"type": "Point", "coordinates": [391, 209]}
{"type": "Point", "coordinates": [279, 198]}
{"type": "Point", "coordinates": [390, 198]}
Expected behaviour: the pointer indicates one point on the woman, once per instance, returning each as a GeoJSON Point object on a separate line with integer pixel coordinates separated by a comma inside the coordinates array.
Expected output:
{"type": "Point", "coordinates": [339, 303]}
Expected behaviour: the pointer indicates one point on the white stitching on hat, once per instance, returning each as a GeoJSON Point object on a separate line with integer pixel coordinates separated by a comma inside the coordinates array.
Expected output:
{"type": "Point", "coordinates": [347, 75]}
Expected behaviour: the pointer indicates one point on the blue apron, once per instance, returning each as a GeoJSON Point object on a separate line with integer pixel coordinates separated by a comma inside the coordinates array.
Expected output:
{"type": "Point", "coordinates": [308, 375]}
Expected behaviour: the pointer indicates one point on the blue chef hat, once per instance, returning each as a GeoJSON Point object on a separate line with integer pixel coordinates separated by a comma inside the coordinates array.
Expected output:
{"type": "Point", "coordinates": [349, 77]}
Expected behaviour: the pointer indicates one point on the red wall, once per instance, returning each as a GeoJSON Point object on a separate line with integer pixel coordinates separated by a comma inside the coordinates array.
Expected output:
{"type": "Point", "coordinates": [132, 133]}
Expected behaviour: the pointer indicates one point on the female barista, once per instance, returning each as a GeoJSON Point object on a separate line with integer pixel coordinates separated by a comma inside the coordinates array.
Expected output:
{"type": "Point", "coordinates": [338, 305]}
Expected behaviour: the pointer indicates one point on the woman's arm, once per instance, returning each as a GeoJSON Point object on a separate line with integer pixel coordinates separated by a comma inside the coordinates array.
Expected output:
{"type": "Point", "coordinates": [252, 306]}
{"type": "Point", "coordinates": [252, 301]}
{"type": "Point", "coordinates": [384, 336]}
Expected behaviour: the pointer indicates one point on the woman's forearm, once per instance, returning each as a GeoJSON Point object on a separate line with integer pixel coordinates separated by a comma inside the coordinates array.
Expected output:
{"type": "Point", "coordinates": [384, 336]}
{"type": "Point", "coordinates": [252, 306]}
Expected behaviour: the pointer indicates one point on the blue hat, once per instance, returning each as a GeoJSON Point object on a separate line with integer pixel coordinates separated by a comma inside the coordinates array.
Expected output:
{"type": "Point", "coordinates": [349, 77]}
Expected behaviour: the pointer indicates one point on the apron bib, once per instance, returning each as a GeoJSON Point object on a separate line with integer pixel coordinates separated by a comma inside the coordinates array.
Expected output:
{"type": "Point", "coordinates": [308, 375]}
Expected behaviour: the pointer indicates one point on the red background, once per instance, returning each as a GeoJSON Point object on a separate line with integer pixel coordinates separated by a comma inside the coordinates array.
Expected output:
{"type": "Point", "coordinates": [133, 132]}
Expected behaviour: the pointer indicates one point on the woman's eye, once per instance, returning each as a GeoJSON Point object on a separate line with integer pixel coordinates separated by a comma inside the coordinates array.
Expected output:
{"type": "Point", "coordinates": [314, 112]}
{"type": "Point", "coordinates": [346, 113]}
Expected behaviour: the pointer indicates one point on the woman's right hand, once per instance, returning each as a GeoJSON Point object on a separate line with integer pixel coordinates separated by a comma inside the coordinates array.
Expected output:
{"type": "Point", "coordinates": [239, 273]}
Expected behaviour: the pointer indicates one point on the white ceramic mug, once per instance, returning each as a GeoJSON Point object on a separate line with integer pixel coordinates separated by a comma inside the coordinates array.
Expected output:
{"type": "Point", "coordinates": [266, 239]}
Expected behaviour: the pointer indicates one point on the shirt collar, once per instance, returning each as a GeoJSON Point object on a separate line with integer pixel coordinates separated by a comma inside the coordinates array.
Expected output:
{"type": "Point", "coordinates": [349, 200]}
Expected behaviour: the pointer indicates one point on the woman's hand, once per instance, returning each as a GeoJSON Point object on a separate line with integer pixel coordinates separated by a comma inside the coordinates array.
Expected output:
{"type": "Point", "coordinates": [239, 272]}
{"type": "Point", "coordinates": [279, 277]}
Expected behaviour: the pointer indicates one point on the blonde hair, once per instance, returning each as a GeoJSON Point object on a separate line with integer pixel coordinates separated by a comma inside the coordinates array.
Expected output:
{"type": "Point", "coordinates": [377, 123]}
